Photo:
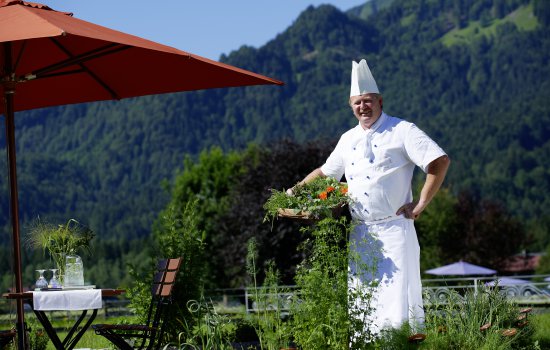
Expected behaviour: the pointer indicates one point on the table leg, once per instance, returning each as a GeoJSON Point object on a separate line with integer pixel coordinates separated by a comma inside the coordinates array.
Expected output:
{"type": "Point", "coordinates": [43, 319]}
{"type": "Point", "coordinates": [70, 341]}
{"type": "Point", "coordinates": [72, 338]}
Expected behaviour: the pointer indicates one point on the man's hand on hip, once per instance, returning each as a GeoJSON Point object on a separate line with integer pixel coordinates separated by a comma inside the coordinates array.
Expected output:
{"type": "Point", "coordinates": [410, 210]}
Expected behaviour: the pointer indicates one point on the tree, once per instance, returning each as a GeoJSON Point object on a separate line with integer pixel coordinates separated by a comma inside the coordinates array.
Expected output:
{"type": "Point", "coordinates": [485, 233]}
{"type": "Point", "coordinates": [208, 182]}
{"type": "Point", "coordinates": [544, 263]}
{"type": "Point", "coordinates": [280, 167]}
{"type": "Point", "coordinates": [438, 222]}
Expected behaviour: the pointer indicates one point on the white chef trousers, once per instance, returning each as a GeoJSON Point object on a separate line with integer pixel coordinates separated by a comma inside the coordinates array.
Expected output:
{"type": "Point", "coordinates": [392, 246]}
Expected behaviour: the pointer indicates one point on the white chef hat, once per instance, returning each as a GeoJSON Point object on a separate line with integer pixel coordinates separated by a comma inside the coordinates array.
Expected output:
{"type": "Point", "coordinates": [362, 81]}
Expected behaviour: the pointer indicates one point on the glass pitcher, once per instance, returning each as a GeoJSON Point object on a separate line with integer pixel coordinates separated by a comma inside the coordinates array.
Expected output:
{"type": "Point", "coordinates": [74, 271]}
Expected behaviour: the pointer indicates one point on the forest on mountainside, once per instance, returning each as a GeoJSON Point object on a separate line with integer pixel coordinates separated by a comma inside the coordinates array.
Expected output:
{"type": "Point", "coordinates": [474, 74]}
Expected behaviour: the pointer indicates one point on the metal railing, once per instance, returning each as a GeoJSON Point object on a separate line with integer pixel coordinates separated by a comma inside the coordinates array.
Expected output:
{"type": "Point", "coordinates": [111, 308]}
{"type": "Point", "coordinates": [527, 290]}
{"type": "Point", "coordinates": [535, 291]}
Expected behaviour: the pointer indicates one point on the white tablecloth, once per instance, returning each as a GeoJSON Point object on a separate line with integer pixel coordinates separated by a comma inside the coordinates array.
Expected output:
{"type": "Point", "coordinates": [67, 300]}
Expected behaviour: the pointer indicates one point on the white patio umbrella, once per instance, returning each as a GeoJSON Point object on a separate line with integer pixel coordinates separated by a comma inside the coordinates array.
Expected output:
{"type": "Point", "coordinates": [461, 268]}
{"type": "Point", "coordinates": [506, 281]}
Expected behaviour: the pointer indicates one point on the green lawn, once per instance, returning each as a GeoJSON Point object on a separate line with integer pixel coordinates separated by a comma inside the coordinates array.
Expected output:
{"type": "Point", "coordinates": [89, 339]}
{"type": "Point", "coordinates": [542, 329]}
{"type": "Point", "coordinates": [541, 322]}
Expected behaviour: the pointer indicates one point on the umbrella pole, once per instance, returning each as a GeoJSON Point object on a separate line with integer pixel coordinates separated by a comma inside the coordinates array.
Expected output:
{"type": "Point", "coordinates": [9, 90]}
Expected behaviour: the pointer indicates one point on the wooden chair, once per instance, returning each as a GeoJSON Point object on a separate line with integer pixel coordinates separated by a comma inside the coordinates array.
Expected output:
{"type": "Point", "coordinates": [6, 337]}
{"type": "Point", "coordinates": [149, 335]}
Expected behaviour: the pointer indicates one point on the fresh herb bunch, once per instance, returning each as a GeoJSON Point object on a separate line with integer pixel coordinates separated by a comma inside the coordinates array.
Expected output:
{"type": "Point", "coordinates": [313, 200]}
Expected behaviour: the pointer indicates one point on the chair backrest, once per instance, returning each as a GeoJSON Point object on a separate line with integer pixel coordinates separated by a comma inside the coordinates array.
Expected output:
{"type": "Point", "coordinates": [165, 277]}
{"type": "Point", "coordinates": [6, 337]}
{"type": "Point", "coordinates": [161, 291]}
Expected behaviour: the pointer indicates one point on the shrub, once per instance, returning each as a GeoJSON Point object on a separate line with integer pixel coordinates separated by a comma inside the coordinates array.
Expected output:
{"type": "Point", "coordinates": [176, 235]}
{"type": "Point", "coordinates": [208, 329]}
{"type": "Point", "coordinates": [482, 319]}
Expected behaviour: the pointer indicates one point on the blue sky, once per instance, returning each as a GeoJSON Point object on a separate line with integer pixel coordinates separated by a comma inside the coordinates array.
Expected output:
{"type": "Point", "coordinates": [205, 28]}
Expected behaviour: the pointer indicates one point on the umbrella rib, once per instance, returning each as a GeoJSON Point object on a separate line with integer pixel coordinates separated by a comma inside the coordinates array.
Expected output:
{"type": "Point", "coordinates": [20, 55]}
{"type": "Point", "coordinates": [67, 72]}
{"type": "Point", "coordinates": [90, 56]}
{"type": "Point", "coordinates": [73, 60]}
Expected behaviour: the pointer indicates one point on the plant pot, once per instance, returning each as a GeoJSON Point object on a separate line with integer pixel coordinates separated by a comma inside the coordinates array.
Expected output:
{"type": "Point", "coordinates": [302, 215]}
{"type": "Point", "coordinates": [291, 346]}
{"type": "Point", "coordinates": [294, 214]}
{"type": "Point", "coordinates": [417, 338]}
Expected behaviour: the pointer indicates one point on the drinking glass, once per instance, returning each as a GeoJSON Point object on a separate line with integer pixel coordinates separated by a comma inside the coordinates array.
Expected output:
{"type": "Point", "coordinates": [54, 282]}
{"type": "Point", "coordinates": [41, 282]}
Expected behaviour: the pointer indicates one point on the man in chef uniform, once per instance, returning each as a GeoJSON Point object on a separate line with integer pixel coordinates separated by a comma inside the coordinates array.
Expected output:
{"type": "Point", "coordinates": [378, 158]}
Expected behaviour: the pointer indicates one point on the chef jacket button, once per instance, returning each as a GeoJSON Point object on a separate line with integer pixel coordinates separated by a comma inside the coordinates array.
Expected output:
{"type": "Point", "coordinates": [354, 148]}
{"type": "Point", "coordinates": [368, 177]}
{"type": "Point", "coordinates": [351, 177]}
{"type": "Point", "coordinates": [366, 194]}
{"type": "Point", "coordinates": [352, 163]}
{"type": "Point", "coordinates": [375, 146]}
{"type": "Point", "coordinates": [371, 161]}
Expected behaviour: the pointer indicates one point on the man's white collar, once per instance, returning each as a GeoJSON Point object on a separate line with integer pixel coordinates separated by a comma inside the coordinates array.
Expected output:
{"type": "Point", "coordinates": [376, 125]}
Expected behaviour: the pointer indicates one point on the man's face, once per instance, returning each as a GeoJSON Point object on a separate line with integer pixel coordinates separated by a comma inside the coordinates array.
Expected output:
{"type": "Point", "coordinates": [367, 108]}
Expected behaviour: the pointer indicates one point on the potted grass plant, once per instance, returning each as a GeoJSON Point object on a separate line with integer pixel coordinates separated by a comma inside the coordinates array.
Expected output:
{"type": "Point", "coordinates": [320, 198]}
{"type": "Point", "coordinates": [60, 241]}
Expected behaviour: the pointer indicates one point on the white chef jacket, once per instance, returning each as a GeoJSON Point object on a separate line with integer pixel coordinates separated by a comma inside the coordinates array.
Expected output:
{"type": "Point", "coordinates": [379, 181]}
{"type": "Point", "coordinates": [381, 184]}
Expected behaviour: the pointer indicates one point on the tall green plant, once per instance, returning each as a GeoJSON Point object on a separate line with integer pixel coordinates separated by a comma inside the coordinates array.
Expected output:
{"type": "Point", "coordinates": [331, 310]}
{"type": "Point", "coordinates": [139, 292]}
{"type": "Point", "coordinates": [270, 304]}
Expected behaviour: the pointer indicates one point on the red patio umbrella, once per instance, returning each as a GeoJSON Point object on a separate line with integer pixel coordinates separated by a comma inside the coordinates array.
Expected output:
{"type": "Point", "coordinates": [49, 58]}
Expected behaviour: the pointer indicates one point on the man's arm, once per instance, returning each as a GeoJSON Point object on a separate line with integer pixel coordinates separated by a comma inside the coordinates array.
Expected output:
{"type": "Point", "coordinates": [310, 177]}
{"type": "Point", "coordinates": [437, 170]}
